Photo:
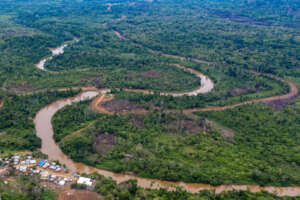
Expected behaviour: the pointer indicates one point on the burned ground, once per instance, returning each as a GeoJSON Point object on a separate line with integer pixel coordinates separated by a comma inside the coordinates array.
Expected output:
{"type": "Point", "coordinates": [104, 142]}
{"type": "Point", "coordinates": [120, 105]}
{"type": "Point", "coordinates": [280, 103]}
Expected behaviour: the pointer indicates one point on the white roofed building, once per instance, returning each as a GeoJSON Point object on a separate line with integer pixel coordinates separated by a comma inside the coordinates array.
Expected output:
{"type": "Point", "coordinates": [85, 181]}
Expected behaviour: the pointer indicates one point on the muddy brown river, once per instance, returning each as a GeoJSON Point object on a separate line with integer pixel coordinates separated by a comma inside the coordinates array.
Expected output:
{"type": "Point", "coordinates": [55, 51]}
{"type": "Point", "coordinates": [44, 131]}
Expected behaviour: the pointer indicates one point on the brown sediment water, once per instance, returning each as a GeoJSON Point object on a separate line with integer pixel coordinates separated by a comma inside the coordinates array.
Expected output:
{"type": "Point", "coordinates": [206, 85]}
{"type": "Point", "coordinates": [293, 92]}
{"type": "Point", "coordinates": [45, 132]}
{"type": "Point", "coordinates": [55, 51]}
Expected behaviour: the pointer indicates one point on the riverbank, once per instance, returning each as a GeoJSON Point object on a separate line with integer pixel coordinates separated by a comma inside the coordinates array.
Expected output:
{"type": "Point", "coordinates": [44, 130]}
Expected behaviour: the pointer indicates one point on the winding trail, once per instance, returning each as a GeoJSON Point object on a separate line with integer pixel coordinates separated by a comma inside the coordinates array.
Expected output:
{"type": "Point", "coordinates": [44, 131]}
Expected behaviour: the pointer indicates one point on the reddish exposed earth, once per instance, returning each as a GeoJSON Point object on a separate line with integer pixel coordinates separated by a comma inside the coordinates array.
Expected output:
{"type": "Point", "coordinates": [71, 194]}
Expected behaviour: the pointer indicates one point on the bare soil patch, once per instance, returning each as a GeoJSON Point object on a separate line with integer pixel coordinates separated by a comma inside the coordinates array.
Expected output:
{"type": "Point", "coordinates": [72, 194]}
{"type": "Point", "coordinates": [97, 103]}
{"type": "Point", "coordinates": [104, 143]}
{"type": "Point", "coordinates": [95, 80]}
{"type": "Point", "coordinates": [120, 105]}
{"type": "Point", "coordinates": [280, 103]}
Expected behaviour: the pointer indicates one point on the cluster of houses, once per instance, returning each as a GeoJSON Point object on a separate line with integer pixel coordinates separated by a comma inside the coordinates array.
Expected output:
{"type": "Point", "coordinates": [53, 166]}
{"type": "Point", "coordinates": [48, 171]}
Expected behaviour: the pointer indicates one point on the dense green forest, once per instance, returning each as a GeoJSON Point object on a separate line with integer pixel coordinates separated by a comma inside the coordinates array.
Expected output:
{"type": "Point", "coordinates": [16, 121]}
{"type": "Point", "coordinates": [228, 92]}
{"type": "Point", "coordinates": [251, 144]}
{"type": "Point", "coordinates": [261, 147]}
{"type": "Point", "coordinates": [103, 60]}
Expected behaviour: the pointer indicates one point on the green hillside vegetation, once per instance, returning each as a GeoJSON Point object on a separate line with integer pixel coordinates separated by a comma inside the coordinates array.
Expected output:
{"type": "Point", "coordinates": [262, 150]}
{"type": "Point", "coordinates": [16, 119]}
{"type": "Point", "coordinates": [260, 144]}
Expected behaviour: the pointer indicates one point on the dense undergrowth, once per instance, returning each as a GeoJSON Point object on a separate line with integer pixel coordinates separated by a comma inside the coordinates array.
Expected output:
{"type": "Point", "coordinates": [234, 36]}
{"type": "Point", "coordinates": [229, 92]}
{"type": "Point", "coordinates": [263, 149]}
{"type": "Point", "coordinates": [16, 119]}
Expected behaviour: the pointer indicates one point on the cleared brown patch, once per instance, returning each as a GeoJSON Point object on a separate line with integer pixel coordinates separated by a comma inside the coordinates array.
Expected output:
{"type": "Point", "coordinates": [72, 194]}
{"type": "Point", "coordinates": [153, 74]}
{"type": "Point", "coordinates": [120, 105]}
{"type": "Point", "coordinates": [290, 95]}
{"type": "Point", "coordinates": [97, 103]}
{"type": "Point", "coordinates": [104, 143]}
{"type": "Point", "coordinates": [281, 102]}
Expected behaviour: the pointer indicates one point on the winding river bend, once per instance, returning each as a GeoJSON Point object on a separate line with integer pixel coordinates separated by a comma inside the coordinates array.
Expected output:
{"type": "Point", "coordinates": [55, 51]}
{"type": "Point", "coordinates": [45, 132]}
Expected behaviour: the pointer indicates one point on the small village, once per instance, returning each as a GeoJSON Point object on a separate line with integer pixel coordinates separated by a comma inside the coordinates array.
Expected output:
{"type": "Point", "coordinates": [48, 171]}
